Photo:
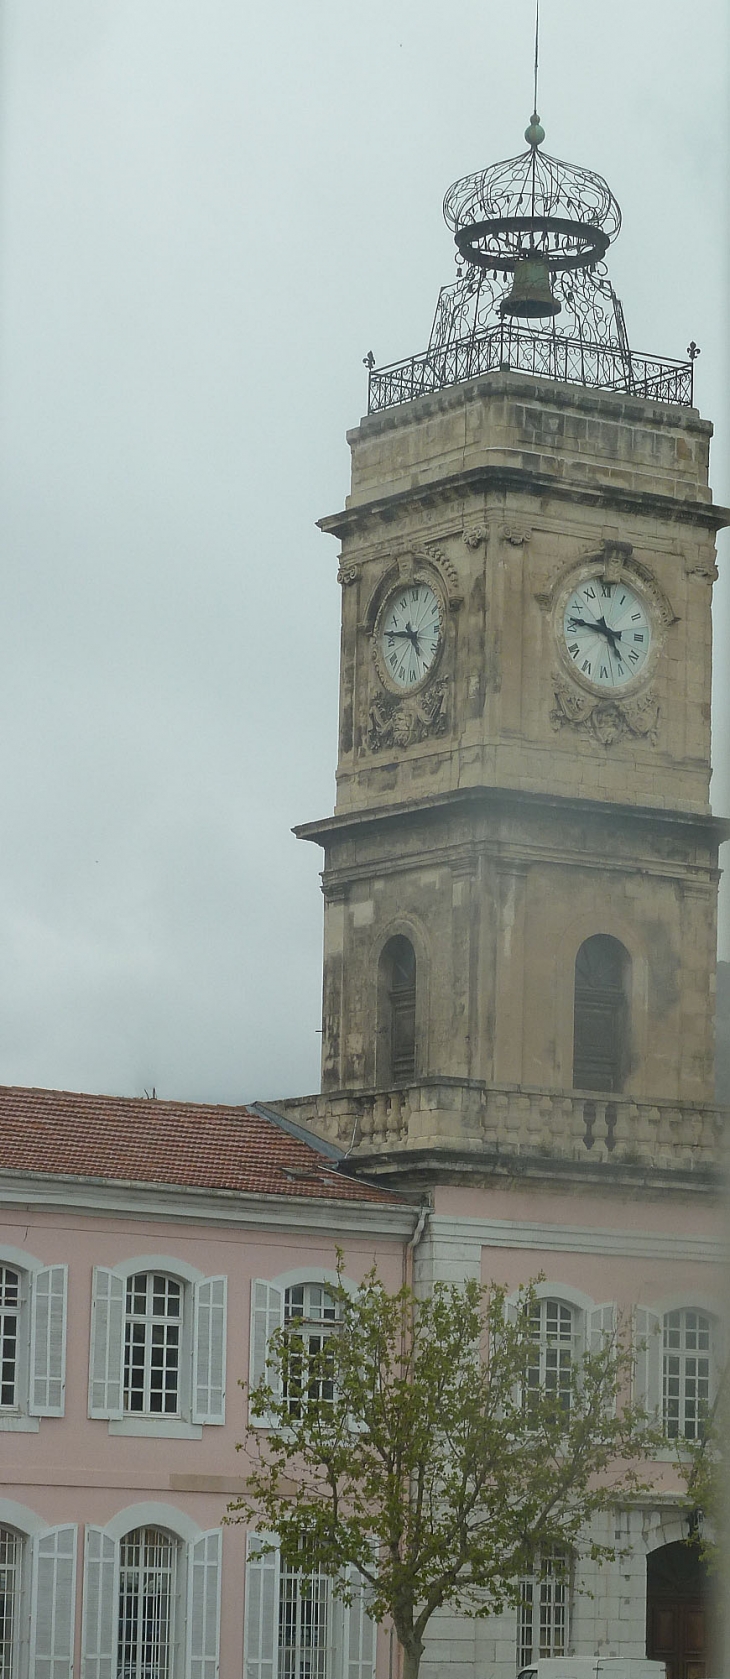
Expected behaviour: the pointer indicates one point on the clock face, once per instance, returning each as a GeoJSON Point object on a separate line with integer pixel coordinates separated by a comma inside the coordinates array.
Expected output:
{"type": "Point", "coordinates": [607, 632]}
{"type": "Point", "coordinates": [410, 634]}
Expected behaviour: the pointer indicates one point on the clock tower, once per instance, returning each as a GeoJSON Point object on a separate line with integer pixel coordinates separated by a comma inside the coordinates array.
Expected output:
{"type": "Point", "coordinates": [520, 875]}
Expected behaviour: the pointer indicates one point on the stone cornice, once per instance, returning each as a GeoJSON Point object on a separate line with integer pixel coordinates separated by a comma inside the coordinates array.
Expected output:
{"type": "Point", "coordinates": [412, 1170]}
{"type": "Point", "coordinates": [553, 1237]}
{"type": "Point", "coordinates": [94, 1196]}
{"type": "Point", "coordinates": [714, 829]}
{"type": "Point", "coordinates": [485, 480]}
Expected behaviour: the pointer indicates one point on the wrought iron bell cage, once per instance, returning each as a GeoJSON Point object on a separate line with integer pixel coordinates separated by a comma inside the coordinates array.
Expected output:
{"type": "Point", "coordinates": [532, 291]}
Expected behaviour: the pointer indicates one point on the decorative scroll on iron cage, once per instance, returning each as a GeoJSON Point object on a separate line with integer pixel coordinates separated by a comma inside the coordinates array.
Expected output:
{"type": "Point", "coordinates": [532, 292]}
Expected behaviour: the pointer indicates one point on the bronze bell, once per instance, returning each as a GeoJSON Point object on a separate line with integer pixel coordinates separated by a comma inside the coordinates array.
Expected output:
{"type": "Point", "coordinates": [531, 293]}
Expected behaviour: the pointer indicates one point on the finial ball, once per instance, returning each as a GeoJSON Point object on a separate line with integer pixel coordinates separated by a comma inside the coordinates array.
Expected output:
{"type": "Point", "coordinates": [535, 133]}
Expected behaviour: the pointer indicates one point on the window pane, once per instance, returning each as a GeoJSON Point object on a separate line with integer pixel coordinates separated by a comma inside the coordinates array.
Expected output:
{"type": "Point", "coordinates": [146, 1596]}
{"type": "Point", "coordinates": [308, 1371]}
{"type": "Point", "coordinates": [9, 1309]}
{"type": "Point", "coordinates": [542, 1627]}
{"type": "Point", "coordinates": [550, 1364]}
{"type": "Point", "coordinates": [10, 1553]}
{"type": "Point", "coordinates": [303, 1625]}
{"type": "Point", "coordinates": [687, 1375]}
{"type": "Point", "coordinates": [152, 1345]}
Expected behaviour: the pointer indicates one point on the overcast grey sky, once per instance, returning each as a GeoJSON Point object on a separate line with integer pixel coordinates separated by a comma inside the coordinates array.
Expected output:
{"type": "Point", "coordinates": [210, 211]}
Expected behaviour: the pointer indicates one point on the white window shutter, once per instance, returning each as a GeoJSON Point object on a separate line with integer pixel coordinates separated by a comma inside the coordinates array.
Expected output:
{"type": "Point", "coordinates": [48, 1341]}
{"type": "Point", "coordinates": [101, 1606]}
{"type": "Point", "coordinates": [512, 1315]}
{"type": "Point", "coordinates": [261, 1619]}
{"type": "Point", "coordinates": [204, 1606]}
{"type": "Point", "coordinates": [354, 1633]}
{"type": "Point", "coordinates": [106, 1365]}
{"type": "Point", "coordinates": [267, 1314]}
{"type": "Point", "coordinates": [53, 1604]}
{"type": "Point", "coordinates": [601, 1326]}
{"type": "Point", "coordinates": [209, 1351]}
{"type": "Point", "coordinates": [648, 1350]}
{"type": "Point", "coordinates": [601, 1332]}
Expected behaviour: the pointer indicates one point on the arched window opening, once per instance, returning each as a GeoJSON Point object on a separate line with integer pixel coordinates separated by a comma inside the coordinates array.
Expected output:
{"type": "Point", "coordinates": [310, 1318]}
{"type": "Point", "coordinates": [601, 1015]}
{"type": "Point", "coordinates": [399, 961]}
{"type": "Point", "coordinates": [10, 1562]}
{"type": "Point", "coordinates": [688, 1377]}
{"type": "Point", "coordinates": [146, 1635]}
{"type": "Point", "coordinates": [304, 1623]}
{"type": "Point", "coordinates": [552, 1351]}
{"type": "Point", "coordinates": [543, 1628]}
{"type": "Point", "coordinates": [153, 1323]}
{"type": "Point", "coordinates": [9, 1340]}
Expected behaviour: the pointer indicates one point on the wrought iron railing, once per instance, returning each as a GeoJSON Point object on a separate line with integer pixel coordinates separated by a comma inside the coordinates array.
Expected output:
{"type": "Point", "coordinates": [510, 348]}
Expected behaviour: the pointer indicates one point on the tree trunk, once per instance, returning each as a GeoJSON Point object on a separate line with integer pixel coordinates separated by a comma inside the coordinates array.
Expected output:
{"type": "Point", "coordinates": [411, 1662]}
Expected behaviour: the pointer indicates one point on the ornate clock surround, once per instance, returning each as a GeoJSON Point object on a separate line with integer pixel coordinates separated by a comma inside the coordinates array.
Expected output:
{"type": "Point", "coordinates": [399, 718]}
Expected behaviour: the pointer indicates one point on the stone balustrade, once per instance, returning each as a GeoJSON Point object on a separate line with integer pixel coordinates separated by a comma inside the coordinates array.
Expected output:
{"type": "Point", "coordinates": [510, 1121]}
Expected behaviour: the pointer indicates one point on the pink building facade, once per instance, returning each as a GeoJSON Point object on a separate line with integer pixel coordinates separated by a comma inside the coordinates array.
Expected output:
{"type": "Point", "coordinates": [147, 1251]}
{"type": "Point", "coordinates": [132, 1308]}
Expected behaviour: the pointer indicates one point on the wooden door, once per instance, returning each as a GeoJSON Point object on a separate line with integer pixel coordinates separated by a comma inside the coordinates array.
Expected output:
{"type": "Point", "coordinates": [678, 1616]}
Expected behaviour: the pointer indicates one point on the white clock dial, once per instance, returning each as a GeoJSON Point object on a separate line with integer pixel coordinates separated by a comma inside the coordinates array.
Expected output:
{"type": "Point", "coordinates": [607, 632]}
{"type": "Point", "coordinates": [410, 634]}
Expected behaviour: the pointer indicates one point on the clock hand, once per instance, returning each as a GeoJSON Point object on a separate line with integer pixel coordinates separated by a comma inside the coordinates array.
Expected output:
{"type": "Point", "coordinates": [600, 627]}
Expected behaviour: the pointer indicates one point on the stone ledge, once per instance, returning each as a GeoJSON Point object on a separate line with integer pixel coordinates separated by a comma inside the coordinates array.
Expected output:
{"type": "Point", "coordinates": [512, 1128]}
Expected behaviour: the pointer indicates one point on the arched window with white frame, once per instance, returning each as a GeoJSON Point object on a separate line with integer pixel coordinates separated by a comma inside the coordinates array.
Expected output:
{"type": "Point", "coordinates": [151, 1606]}
{"type": "Point", "coordinates": [158, 1348]}
{"type": "Point", "coordinates": [688, 1372]}
{"type": "Point", "coordinates": [148, 1567]}
{"type": "Point", "coordinates": [563, 1324]}
{"type": "Point", "coordinates": [679, 1353]}
{"type": "Point", "coordinates": [555, 1340]}
{"type": "Point", "coordinates": [311, 1317]}
{"type": "Point", "coordinates": [302, 1303]}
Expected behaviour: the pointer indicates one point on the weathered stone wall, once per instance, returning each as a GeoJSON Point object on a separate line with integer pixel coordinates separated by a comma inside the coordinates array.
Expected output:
{"type": "Point", "coordinates": [497, 894]}
{"type": "Point", "coordinates": [499, 491]}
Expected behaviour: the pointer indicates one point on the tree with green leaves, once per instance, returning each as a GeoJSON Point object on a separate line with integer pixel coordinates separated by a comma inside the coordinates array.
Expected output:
{"type": "Point", "coordinates": [704, 1468]}
{"type": "Point", "coordinates": [419, 1442]}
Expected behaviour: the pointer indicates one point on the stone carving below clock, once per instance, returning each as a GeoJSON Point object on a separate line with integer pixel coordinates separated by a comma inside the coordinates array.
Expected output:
{"type": "Point", "coordinates": [396, 722]}
{"type": "Point", "coordinates": [605, 720]}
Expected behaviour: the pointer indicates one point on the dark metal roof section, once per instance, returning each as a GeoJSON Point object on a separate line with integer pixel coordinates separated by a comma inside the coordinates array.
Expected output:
{"type": "Point", "coordinates": [532, 292]}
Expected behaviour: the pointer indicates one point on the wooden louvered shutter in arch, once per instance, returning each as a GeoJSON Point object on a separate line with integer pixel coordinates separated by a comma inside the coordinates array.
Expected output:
{"type": "Point", "coordinates": [106, 1364]}
{"type": "Point", "coordinates": [53, 1604]}
{"type": "Point", "coordinates": [648, 1352]}
{"type": "Point", "coordinates": [601, 1331]}
{"type": "Point", "coordinates": [261, 1619]}
{"type": "Point", "coordinates": [48, 1341]}
{"type": "Point", "coordinates": [209, 1351]}
{"type": "Point", "coordinates": [204, 1606]}
{"type": "Point", "coordinates": [101, 1606]}
{"type": "Point", "coordinates": [354, 1633]}
{"type": "Point", "coordinates": [267, 1314]}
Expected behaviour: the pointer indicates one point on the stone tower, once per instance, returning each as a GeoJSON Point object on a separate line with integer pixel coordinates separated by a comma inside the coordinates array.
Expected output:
{"type": "Point", "coordinates": [520, 876]}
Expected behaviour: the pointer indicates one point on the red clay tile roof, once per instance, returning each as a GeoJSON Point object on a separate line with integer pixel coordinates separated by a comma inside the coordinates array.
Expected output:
{"type": "Point", "coordinates": [135, 1140]}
